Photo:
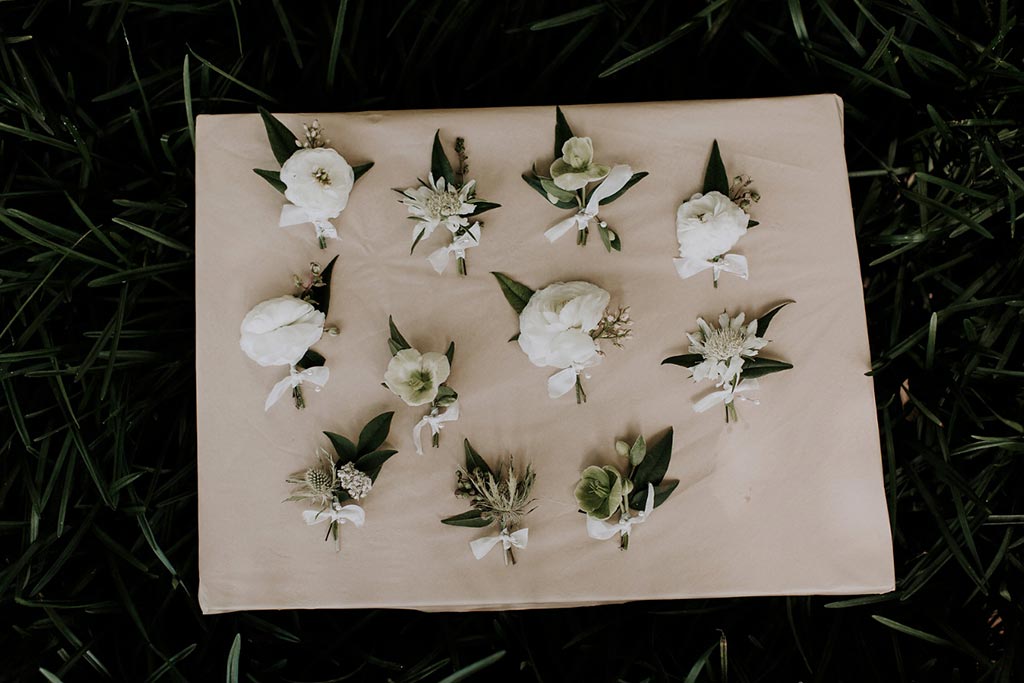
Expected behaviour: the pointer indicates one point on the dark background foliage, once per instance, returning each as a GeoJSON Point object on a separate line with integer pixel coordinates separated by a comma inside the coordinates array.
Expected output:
{"type": "Point", "coordinates": [97, 478]}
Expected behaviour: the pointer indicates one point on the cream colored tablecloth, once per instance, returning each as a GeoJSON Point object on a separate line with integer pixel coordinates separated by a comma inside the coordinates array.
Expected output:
{"type": "Point", "coordinates": [788, 501]}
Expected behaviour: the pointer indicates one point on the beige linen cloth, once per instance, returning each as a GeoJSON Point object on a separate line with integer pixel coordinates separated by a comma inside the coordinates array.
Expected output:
{"type": "Point", "coordinates": [789, 500]}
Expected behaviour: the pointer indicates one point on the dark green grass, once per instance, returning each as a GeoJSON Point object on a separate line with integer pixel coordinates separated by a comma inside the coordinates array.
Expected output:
{"type": "Point", "coordinates": [97, 478]}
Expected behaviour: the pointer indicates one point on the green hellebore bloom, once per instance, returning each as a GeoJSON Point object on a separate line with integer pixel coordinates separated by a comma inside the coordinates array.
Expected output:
{"type": "Point", "coordinates": [576, 168]}
{"type": "Point", "coordinates": [601, 490]}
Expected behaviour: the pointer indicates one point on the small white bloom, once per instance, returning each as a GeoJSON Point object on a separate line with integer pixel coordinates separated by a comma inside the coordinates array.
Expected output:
{"type": "Point", "coordinates": [415, 377]}
{"type": "Point", "coordinates": [356, 483]}
{"type": "Point", "coordinates": [576, 167]}
{"type": "Point", "coordinates": [318, 180]}
{"type": "Point", "coordinates": [438, 203]}
{"type": "Point", "coordinates": [555, 325]}
{"type": "Point", "coordinates": [709, 225]}
{"type": "Point", "coordinates": [724, 348]}
{"type": "Point", "coordinates": [280, 331]}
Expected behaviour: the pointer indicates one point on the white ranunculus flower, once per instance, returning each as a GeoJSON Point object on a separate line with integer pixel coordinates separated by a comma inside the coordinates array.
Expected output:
{"type": "Point", "coordinates": [318, 180]}
{"type": "Point", "coordinates": [576, 167]}
{"type": "Point", "coordinates": [280, 331]}
{"type": "Point", "coordinates": [555, 325]}
{"type": "Point", "coordinates": [415, 377]}
{"type": "Point", "coordinates": [724, 348]}
{"type": "Point", "coordinates": [709, 225]}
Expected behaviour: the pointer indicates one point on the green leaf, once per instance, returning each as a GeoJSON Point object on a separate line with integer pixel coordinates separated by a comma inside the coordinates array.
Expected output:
{"type": "Point", "coordinates": [715, 177]}
{"type": "Point", "coordinates": [439, 164]}
{"type": "Point", "coordinates": [446, 396]}
{"type": "Point", "coordinates": [272, 177]}
{"type": "Point", "coordinates": [687, 360]}
{"type": "Point", "coordinates": [605, 237]}
{"type": "Point", "coordinates": [482, 207]}
{"type": "Point", "coordinates": [562, 131]}
{"type": "Point", "coordinates": [473, 459]}
{"type": "Point", "coordinates": [759, 367]}
{"type": "Point", "coordinates": [516, 293]}
{"type": "Point", "coordinates": [345, 449]}
{"type": "Point", "coordinates": [282, 141]}
{"type": "Point", "coordinates": [638, 499]}
{"type": "Point", "coordinates": [374, 433]}
{"type": "Point", "coordinates": [470, 519]}
{"type": "Point", "coordinates": [321, 296]}
{"type": "Point", "coordinates": [535, 183]}
{"type": "Point", "coordinates": [420, 235]}
{"type": "Point", "coordinates": [233, 656]}
{"type": "Point", "coordinates": [638, 451]}
{"type": "Point", "coordinates": [470, 669]}
{"type": "Point", "coordinates": [372, 462]}
{"type": "Point", "coordinates": [654, 466]}
{"type": "Point", "coordinates": [633, 180]}
{"type": "Point", "coordinates": [557, 192]}
{"type": "Point", "coordinates": [397, 342]}
{"type": "Point", "coordinates": [765, 320]}
{"type": "Point", "coordinates": [360, 170]}
{"type": "Point", "coordinates": [311, 359]}
{"type": "Point", "coordinates": [450, 353]}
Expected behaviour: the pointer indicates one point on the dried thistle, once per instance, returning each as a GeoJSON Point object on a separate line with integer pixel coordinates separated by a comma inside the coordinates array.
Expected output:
{"type": "Point", "coordinates": [315, 484]}
{"type": "Point", "coordinates": [504, 498]}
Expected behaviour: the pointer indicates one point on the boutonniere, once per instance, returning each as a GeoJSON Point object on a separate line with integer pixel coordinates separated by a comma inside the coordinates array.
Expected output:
{"type": "Point", "coordinates": [500, 499]}
{"type": "Point", "coordinates": [567, 186]}
{"type": "Point", "coordinates": [561, 326]}
{"type": "Point", "coordinates": [419, 379]}
{"type": "Point", "coordinates": [729, 356]}
{"type": "Point", "coordinates": [446, 199]}
{"type": "Point", "coordinates": [314, 178]}
{"type": "Point", "coordinates": [334, 486]}
{"type": "Point", "coordinates": [604, 492]}
{"type": "Point", "coordinates": [711, 222]}
{"type": "Point", "coordinates": [280, 331]}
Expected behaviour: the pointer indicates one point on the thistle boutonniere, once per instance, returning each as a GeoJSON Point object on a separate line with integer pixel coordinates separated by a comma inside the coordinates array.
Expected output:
{"type": "Point", "coordinates": [280, 331]}
{"type": "Point", "coordinates": [446, 199]}
{"type": "Point", "coordinates": [561, 326]}
{"type": "Point", "coordinates": [334, 485]}
{"type": "Point", "coordinates": [567, 185]}
{"type": "Point", "coordinates": [604, 492]}
{"type": "Point", "coordinates": [499, 497]}
{"type": "Point", "coordinates": [420, 379]}
{"type": "Point", "coordinates": [729, 356]}
{"type": "Point", "coordinates": [314, 178]}
{"type": "Point", "coordinates": [711, 222]}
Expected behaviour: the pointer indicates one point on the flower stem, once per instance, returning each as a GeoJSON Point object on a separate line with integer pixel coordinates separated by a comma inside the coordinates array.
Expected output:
{"type": "Point", "coordinates": [730, 411]}
{"type": "Point", "coordinates": [322, 241]}
{"type": "Point", "coordinates": [435, 440]}
{"type": "Point", "coordinates": [510, 557]}
{"type": "Point", "coordinates": [581, 396]}
{"type": "Point", "coordinates": [462, 266]}
{"type": "Point", "coordinates": [624, 542]}
{"type": "Point", "coordinates": [300, 402]}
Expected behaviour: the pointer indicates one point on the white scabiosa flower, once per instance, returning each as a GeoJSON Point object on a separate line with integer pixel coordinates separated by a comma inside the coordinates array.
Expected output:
{"type": "Point", "coordinates": [576, 166]}
{"type": "Point", "coordinates": [318, 180]}
{"type": "Point", "coordinates": [438, 203]}
{"type": "Point", "coordinates": [556, 324]}
{"type": "Point", "coordinates": [709, 225]}
{"type": "Point", "coordinates": [415, 377]}
{"type": "Point", "coordinates": [279, 331]}
{"type": "Point", "coordinates": [724, 348]}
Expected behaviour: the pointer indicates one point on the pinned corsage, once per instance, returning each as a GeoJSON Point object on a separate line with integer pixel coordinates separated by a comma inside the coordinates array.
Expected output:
{"type": "Point", "coordinates": [603, 492]}
{"type": "Point", "coordinates": [331, 483]}
{"type": "Point", "coordinates": [561, 327]}
{"type": "Point", "coordinates": [418, 379]}
{"type": "Point", "coordinates": [280, 331]}
{"type": "Point", "coordinates": [315, 178]}
{"type": "Point", "coordinates": [728, 356]}
{"type": "Point", "coordinates": [450, 200]}
{"type": "Point", "coordinates": [500, 499]}
{"type": "Point", "coordinates": [573, 170]}
{"type": "Point", "coordinates": [711, 222]}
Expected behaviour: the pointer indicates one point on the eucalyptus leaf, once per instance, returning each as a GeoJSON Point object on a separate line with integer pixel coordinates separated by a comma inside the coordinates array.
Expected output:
{"type": "Point", "coordinates": [473, 518]}
{"type": "Point", "coordinates": [655, 464]}
{"type": "Point", "coordinates": [372, 462]}
{"type": "Point", "coordinates": [311, 359]}
{"type": "Point", "coordinates": [272, 177]}
{"type": "Point", "coordinates": [516, 293]}
{"type": "Point", "coordinates": [345, 449]}
{"type": "Point", "coordinates": [473, 459]}
{"type": "Point", "coordinates": [374, 433]}
{"type": "Point", "coordinates": [759, 367]}
{"type": "Point", "coordinates": [766, 319]}
{"type": "Point", "coordinates": [440, 167]}
{"type": "Point", "coordinates": [562, 131]}
{"type": "Point", "coordinates": [321, 296]}
{"type": "Point", "coordinates": [633, 180]}
{"type": "Point", "coordinates": [687, 360]}
{"type": "Point", "coordinates": [282, 141]}
{"type": "Point", "coordinates": [715, 177]}
{"type": "Point", "coordinates": [360, 170]}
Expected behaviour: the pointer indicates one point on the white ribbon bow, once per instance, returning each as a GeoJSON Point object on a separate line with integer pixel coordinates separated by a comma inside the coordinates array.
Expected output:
{"type": "Point", "coordinates": [346, 513]}
{"type": "Point", "coordinates": [560, 383]}
{"type": "Point", "coordinates": [317, 376]}
{"type": "Point", "coordinates": [602, 530]}
{"type": "Point", "coordinates": [439, 257]}
{"type": "Point", "coordinates": [296, 215]}
{"type": "Point", "coordinates": [449, 414]}
{"type": "Point", "coordinates": [613, 182]}
{"type": "Point", "coordinates": [482, 546]}
{"type": "Point", "coordinates": [727, 396]}
{"type": "Point", "coordinates": [688, 266]}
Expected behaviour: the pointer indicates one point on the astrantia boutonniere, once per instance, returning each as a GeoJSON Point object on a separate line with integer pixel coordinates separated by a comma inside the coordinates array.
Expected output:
{"type": "Point", "coordinates": [315, 178]}
{"type": "Point", "coordinates": [446, 199]}
{"type": "Point", "coordinates": [500, 497]}
{"type": "Point", "coordinates": [568, 185]}
{"type": "Point", "coordinates": [334, 486]}
{"type": "Point", "coordinates": [711, 222]}
{"type": "Point", "coordinates": [419, 379]}
{"type": "Point", "coordinates": [280, 331]}
{"type": "Point", "coordinates": [729, 356]}
{"type": "Point", "coordinates": [561, 326]}
{"type": "Point", "coordinates": [604, 492]}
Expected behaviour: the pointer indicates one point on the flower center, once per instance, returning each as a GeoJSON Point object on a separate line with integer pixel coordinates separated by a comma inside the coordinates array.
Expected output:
{"type": "Point", "coordinates": [704, 217]}
{"type": "Point", "coordinates": [723, 344]}
{"type": "Point", "coordinates": [322, 176]}
{"type": "Point", "coordinates": [444, 204]}
{"type": "Point", "coordinates": [420, 380]}
{"type": "Point", "coordinates": [317, 480]}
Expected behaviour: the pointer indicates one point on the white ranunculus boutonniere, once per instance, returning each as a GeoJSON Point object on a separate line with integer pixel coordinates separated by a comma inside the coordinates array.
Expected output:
{"type": "Point", "coordinates": [334, 486]}
{"type": "Point", "coordinates": [561, 326]}
{"type": "Point", "coordinates": [501, 497]}
{"type": "Point", "coordinates": [568, 186]}
{"type": "Point", "coordinates": [711, 222]}
{"type": "Point", "coordinates": [446, 199]}
{"type": "Point", "coordinates": [604, 493]}
{"type": "Point", "coordinates": [314, 178]}
{"type": "Point", "coordinates": [729, 356]}
{"type": "Point", "coordinates": [420, 379]}
{"type": "Point", "coordinates": [280, 331]}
